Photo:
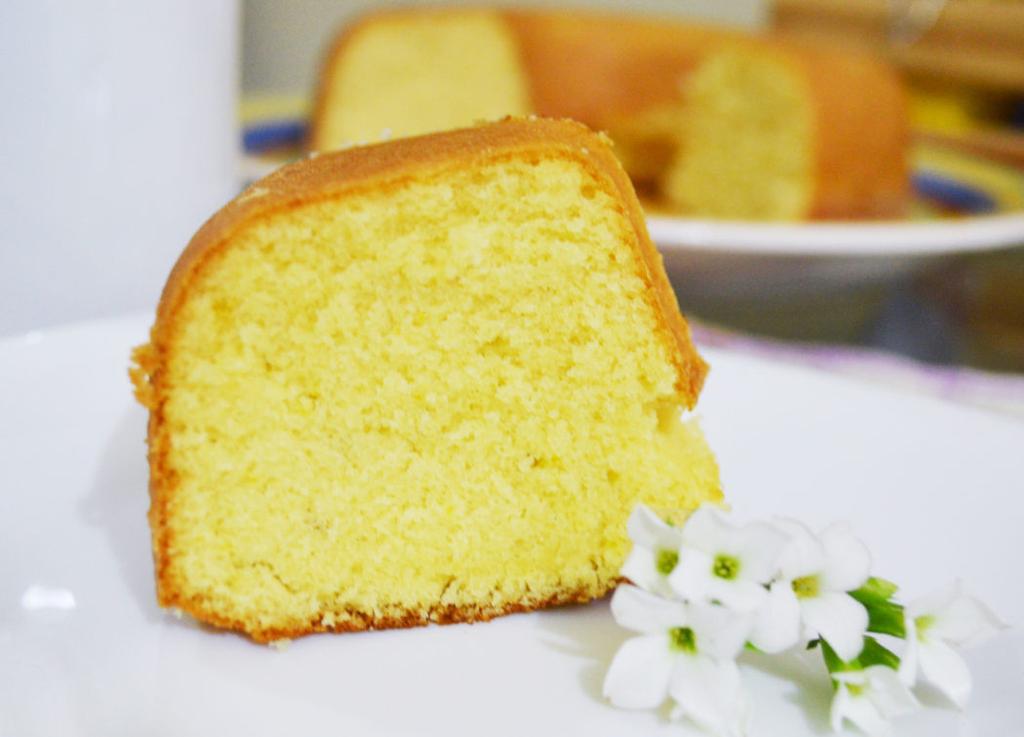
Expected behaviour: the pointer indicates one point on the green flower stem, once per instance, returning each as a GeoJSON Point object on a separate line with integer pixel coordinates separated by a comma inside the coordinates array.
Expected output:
{"type": "Point", "coordinates": [878, 588]}
{"type": "Point", "coordinates": [885, 616]}
{"type": "Point", "coordinates": [874, 653]}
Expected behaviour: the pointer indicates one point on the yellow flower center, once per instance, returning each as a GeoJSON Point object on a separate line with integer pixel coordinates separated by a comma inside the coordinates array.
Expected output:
{"type": "Point", "coordinates": [666, 561]}
{"type": "Point", "coordinates": [805, 587]}
{"type": "Point", "coordinates": [726, 566]}
{"type": "Point", "coordinates": [855, 689]}
{"type": "Point", "coordinates": [924, 623]}
{"type": "Point", "coordinates": [682, 639]}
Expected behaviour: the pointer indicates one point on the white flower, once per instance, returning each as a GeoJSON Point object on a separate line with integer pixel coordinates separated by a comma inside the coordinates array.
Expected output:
{"type": "Point", "coordinates": [655, 551]}
{"type": "Point", "coordinates": [777, 624]}
{"type": "Point", "coordinates": [684, 650]}
{"type": "Point", "coordinates": [870, 698]}
{"type": "Point", "coordinates": [933, 624]}
{"type": "Point", "coordinates": [721, 562]}
{"type": "Point", "coordinates": [815, 575]}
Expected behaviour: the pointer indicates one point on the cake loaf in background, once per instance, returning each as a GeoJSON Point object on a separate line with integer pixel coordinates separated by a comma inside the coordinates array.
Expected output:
{"type": "Point", "coordinates": [420, 381]}
{"type": "Point", "coordinates": [809, 133]}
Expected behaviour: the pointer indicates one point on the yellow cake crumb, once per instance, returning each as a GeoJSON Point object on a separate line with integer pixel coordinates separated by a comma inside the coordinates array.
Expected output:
{"type": "Point", "coordinates": [435, 398]}
{"type": "Point", "coordinates": [389, 87]}
{"type": "Point", "coordinates": [746, 154]}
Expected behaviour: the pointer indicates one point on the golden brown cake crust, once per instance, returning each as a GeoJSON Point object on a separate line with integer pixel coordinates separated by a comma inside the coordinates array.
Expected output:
{"type": "Point", "coordinates": [379, 167]}
{"type": "Point", "coordinates": [599, 68]}
{"type": "Point", "coordinates": [360, 622]}
{"type": "Point", "coordinates": [861, 136]}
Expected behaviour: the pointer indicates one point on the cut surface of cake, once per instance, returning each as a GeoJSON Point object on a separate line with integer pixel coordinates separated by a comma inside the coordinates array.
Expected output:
{"type": "Point", "coordinates": [420, 381]}
{"type": "Point", "coordinates": [401, 76]}
{"type": "Point", "coordinates": [781, 132]}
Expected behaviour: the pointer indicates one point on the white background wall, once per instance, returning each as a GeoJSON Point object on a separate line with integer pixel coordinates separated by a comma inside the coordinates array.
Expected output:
{"type": "Point", "coordinates": [118, 138]}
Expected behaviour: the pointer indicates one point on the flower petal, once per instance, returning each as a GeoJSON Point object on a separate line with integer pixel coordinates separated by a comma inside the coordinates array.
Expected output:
{"type": "Point", "coordinates": [803, 554]}
{"type": "Point", "coordinates": [965, 621]}
{"type": "Point", "coordinates": [887, 692]}
{"type": "Point", "coordinates": [760, 548]}
{"type": "Point", "coordinates": [909, 661]}
{"type": "Point", "coordinates": [840, 705]}
{"type": "Point", "coordinates": [860, 711]}
{"type": "Point", "coordinates": [934, 602]}
{"type": "Point", "coordinates": [739, 595]}
{"type": "Point", "coordinates": [709, 531]}
{"type": "Point", "coordinates": [641, 611]}
{"type": "Point", "coordinates": [719, 632]}
{"type": "Point", "coordinates": [946, 670]}
{"type": "Point", "coordinates": [847, 559]}
{"type": "Point", "coordinates": [647, 529]}
{"type": "Point", "coordinates": [777, 623]}
{"type": "Point", "coordinates": [692, 577]}
{"type": "Point", "coordinates": [638, 677]}
{"type": "Point", "coordinates": [709, 692]}
{"type": "Point", "coordinates": [641, 567]}
{"type": "Point", "coordinates": [838, 618]}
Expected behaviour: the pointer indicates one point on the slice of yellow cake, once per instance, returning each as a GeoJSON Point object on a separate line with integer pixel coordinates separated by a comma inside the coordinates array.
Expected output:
{"type": "Point", "coordinates": [420, 381]}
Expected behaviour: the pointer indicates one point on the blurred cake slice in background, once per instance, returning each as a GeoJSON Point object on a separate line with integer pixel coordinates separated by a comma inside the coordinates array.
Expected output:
{"type": "Point", "coordinates": [782, 132]}
{"type": "Point", "coordinates": [708, 122]}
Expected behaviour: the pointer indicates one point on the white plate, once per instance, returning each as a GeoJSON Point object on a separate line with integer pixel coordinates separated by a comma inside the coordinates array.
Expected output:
{"type": "Point", "coordinates": [934, 489]}
{"type": "Point", "coordinates": [735, 261]}
{"type": "Point", "coordinates": [840, 239]}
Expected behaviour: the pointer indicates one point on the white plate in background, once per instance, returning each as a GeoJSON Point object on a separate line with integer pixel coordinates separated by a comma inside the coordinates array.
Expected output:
{"type": "Point", "coordinates": [710, 259]}
{"type": "Point", "coordinates": [934, 489]}
{"type": "Point", "coordinates": [896, 239]}
{"type": "Point", "coordinates": [719, 267]}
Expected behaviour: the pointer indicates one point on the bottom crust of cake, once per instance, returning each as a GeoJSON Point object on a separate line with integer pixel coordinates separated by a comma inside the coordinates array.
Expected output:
{"type": "Point", "coordinates": [356, 621]}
